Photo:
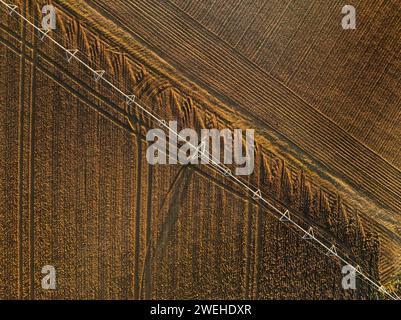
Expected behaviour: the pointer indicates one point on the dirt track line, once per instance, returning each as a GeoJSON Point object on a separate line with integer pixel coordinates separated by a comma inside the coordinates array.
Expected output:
{"type": "Point", "coordinates": [148, 270]}
{"type": "Point", "coordinates": [249, 233]}
{"type": "Point", "coordinates": [137, 285]}
{"type": "Point", "coordinates": [31, 192]}
{"type": "Point", "coordinates": [258, 253]}
{"type": "Point", "coordinates": [21, 157]}
{"type": "Point", "coordinates": [146, 267]}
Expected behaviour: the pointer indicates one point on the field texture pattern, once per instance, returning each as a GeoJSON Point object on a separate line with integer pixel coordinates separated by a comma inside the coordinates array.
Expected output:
{"type": "Point", "coordinates": [77, 192]}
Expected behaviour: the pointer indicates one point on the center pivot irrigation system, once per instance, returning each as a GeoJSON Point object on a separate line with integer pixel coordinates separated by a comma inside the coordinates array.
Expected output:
{"type": "Point", "coordinates": [130, 100]}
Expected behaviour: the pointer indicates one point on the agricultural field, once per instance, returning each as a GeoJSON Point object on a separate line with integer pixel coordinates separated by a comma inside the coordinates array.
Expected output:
{"type": "Point", "coordinates": [77, 191]}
